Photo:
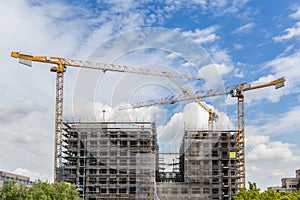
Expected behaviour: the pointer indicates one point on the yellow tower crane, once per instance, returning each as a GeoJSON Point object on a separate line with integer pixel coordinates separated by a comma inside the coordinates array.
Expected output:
{"type": "Point", "coordinates": [238, 92]}
{"type": "Point", "coordinates": [60, 69]}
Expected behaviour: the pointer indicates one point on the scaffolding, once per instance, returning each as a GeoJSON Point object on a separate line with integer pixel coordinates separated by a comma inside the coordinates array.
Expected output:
{"type": "Point", "coordinates": [210, 159]}
{"type": "Point", "coordinates": [111, 160]}
{"type": "Point", "coordinates": [168, 169]}
{"type": "Point", "coordinates": [208, 167]}
{"type": "Point", "coordinates": [120, 160]}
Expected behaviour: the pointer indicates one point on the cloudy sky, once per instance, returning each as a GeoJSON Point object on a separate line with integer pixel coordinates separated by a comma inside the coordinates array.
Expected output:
{"type": "Point", "coordinates": [224, 42]}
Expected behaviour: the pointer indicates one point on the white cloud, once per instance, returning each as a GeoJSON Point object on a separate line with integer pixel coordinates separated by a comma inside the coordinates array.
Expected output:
{"type": "Point", "coordinates": [201, 36]}
{"type": "Point", "coordinates": [223, 69]}
{"type": "Point", "coordinates": [15, 112]}
{"type": "Point", "coordinates": [267, 162]}
{"type": "Point", "coordinates": [237, 5]}
{"type": "Point", "coordinates": [296, 14]}
{"type": "Point", "coordinates": [121, 5]}
{"type": "Point", "coordinates": [93, 111]}
{"type": "Point", "coordinates": [211, 71]}
{"type": "Point", "coordinates": [28, 28]}
{"type": "Point", "coordinates": [253, 140]}
{"type": "Point", "coordinates": [53, 9]}
{"type": "Point", "coordinates": [269, 173]}
{"type": "Point", "coordinates": [293, 32]}
{"type": "Point", "coordinates": [27, 139]}
{"type": "Point", "coordinates": [266, 172]}
{"type": "Point", "coordinates": [173, 55]}
{"type": "Point", "coordinates": [152, 113]}
{"type": "Point", "coordinates": [238, 73]}
{"type": "Point", "coordinates": [201, 2]}
{"type": "Point", "coordinates": [287, 66]}
{"type": "Point", "coordinates": [212, 76]}
{"type": "Point", "coordinates": [244, 29]}
{"type": "Point", "coordinates": [193, 117]}
{"type": "Point", "coordinates": [220, 56]}
{"type": "Point", "coordinates": [170, 135]}
{"type": "Point", "coordinates": [268, 93]}
{"type": "Point", "coordinates": [267, 158]}
{"type": "Point", "coordinates": [221, 7]}
{"type": "Point", "coordinates": [281, 124]}
{"type": "Point", "coordinates": [187, 64]}
{"type": "Point", "coordinates": [238, 46]}
{"type": "Point", "coordinates": [271, 151]}
{"type": "Point", "coordinates": [31, 174]}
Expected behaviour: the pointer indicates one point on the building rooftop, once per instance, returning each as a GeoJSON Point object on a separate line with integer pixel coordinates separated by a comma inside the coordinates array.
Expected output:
{"type": "Point", "coordinates": [7, 176]}
{"type": "Point", "coordinates": [14, 176]}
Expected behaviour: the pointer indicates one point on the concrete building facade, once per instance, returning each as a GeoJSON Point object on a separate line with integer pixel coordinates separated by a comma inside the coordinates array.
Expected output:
{"type": "Point", "coordinates": [111, 160]}
{"type": "Point", "coordinates": [288, 184]}
{"type": "Point", "coordinates": [7, 176]}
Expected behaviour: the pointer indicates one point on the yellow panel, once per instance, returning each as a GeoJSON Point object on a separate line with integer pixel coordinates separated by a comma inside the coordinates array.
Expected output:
{"type": "Point", "coordinates": [232, 155]}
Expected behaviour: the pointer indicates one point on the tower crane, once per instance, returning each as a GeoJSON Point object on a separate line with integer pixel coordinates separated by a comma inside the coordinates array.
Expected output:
{"type": "Point", "coordinates": [60, 69]}
{"type": "Point", "coordinates": [238, 92]}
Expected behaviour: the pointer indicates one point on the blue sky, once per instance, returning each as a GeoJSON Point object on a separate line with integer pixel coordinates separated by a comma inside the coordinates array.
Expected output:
{"type": "Point", "coordinates": [249, 41]}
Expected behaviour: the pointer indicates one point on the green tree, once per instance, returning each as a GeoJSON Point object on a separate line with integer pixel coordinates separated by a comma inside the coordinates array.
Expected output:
{"type": "Point", "coordinates": [13, 191]}
{"type": "Point", "coordinates": [270, 195]}
{"type": "Point", "coordinates": [58, 191]}
{"type": "Point", "coordinates": [39, 191]}
{"type": "Point", "coordinates": [298, 184]}
{"type": "Point", "coordinates": [253, 193]}
{"type": "Point", "coordinates": [298, 194]}
{"type": "Point", "coordinates": [66, 191]}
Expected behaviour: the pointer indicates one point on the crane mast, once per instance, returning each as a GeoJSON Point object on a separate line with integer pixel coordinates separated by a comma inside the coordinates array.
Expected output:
{"type": "Point", "coordinates": [60, 69]}
{"type": "Point", "coordinates": [237, 92]}
{"type": "Point", "coordinates": [58, 127]}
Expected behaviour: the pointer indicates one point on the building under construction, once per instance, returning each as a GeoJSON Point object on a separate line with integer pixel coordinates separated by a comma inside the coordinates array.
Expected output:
{"type": "Point", "coordinates": [119, 160]}
{"type": "Point", "coordinates": [111, 160]}
{"type": "Point", "coordinates": [208, 167]}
